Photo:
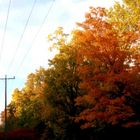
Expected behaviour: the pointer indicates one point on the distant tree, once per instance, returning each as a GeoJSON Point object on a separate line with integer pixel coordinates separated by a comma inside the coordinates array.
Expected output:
{"type": "Point", "coordinates": [28, 104]}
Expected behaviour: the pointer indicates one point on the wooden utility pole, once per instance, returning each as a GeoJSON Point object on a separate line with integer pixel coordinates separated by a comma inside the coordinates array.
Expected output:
{"type": "Point", "coordinates": [5, 79]}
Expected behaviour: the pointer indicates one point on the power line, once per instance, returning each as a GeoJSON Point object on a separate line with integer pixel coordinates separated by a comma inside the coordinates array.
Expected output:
{"type": "Point", "coordinates": [21, 37]}
{"type": "Point", "coordinates": [36, 35]}
{"type": "Point", "coordinates": [5, 28]}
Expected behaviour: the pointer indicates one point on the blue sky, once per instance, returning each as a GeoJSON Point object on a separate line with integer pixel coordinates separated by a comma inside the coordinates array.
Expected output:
{"type": "Point", "coordinates": [63, 13]}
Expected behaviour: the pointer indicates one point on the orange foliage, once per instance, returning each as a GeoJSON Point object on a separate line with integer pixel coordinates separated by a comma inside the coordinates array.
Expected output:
{"type": "Point", "coordinates": [109, 70]}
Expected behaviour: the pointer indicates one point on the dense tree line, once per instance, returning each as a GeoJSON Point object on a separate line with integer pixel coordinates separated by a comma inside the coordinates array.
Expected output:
{"type": "Point", "coordinates": [91, 89]}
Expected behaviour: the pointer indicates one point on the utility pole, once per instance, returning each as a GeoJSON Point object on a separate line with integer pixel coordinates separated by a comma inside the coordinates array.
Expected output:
{"type": "Point", "coordinates": [5, 79]}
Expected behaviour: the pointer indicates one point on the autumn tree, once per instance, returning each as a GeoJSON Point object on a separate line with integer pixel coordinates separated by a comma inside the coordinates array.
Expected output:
{"type": "Point", "coordinates": [125, 16]}
{"type": "Point", "coordinates": [49, 95]}
{"type": "Point", "coordinates": [63, 87]}
{"type": "Point", "coordinates": [109, 70]}
{"type": "Point", "coordinates": [28, 103]}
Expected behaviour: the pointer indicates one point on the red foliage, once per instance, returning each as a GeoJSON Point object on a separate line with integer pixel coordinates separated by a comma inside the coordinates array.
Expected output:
{"type": "Point", "coordinates": [19, 134]}
{"type": "Point", "coordinates": [108, 77]}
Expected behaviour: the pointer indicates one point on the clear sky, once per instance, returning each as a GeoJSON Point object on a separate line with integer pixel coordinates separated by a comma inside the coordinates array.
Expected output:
{"type": "Point", "coordinates": [23, 34]}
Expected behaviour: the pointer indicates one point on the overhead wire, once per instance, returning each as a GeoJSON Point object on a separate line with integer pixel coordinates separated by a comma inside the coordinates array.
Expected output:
{"type": "Point", "coordinates": [36, 35]}
{"type": "Point", "coordinates": [5, 28]}
{"type": "Point", "coordinates": [21, 37]}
